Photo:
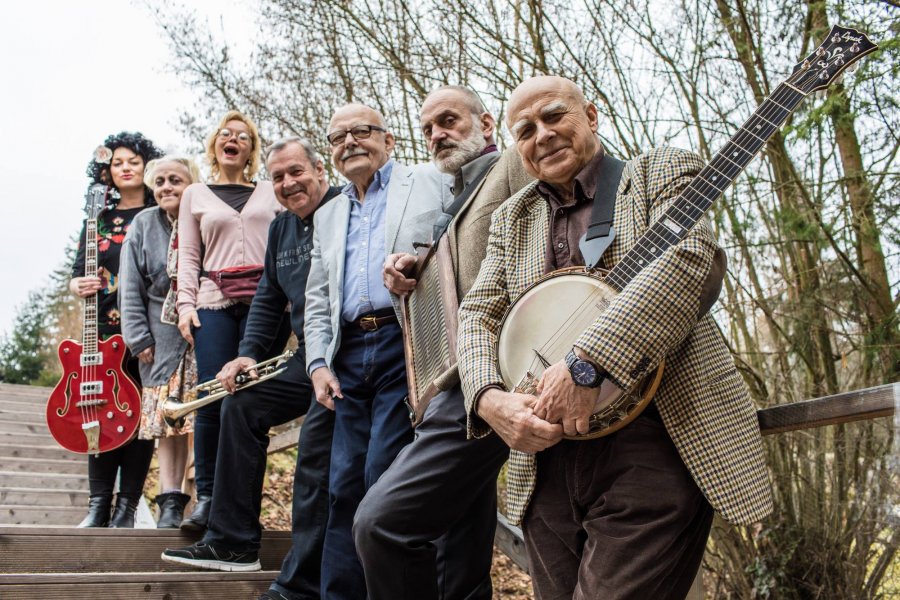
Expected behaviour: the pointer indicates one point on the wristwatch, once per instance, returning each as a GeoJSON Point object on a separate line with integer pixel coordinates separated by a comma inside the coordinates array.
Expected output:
{"type": "Point", "coordinates": [584, 372]}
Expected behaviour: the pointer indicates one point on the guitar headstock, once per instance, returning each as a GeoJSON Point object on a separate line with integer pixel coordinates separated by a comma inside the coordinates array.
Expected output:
{"type": "Point", "coordinates": [95, 200]}
{"type": "Point", "coordinates": [840, 49]}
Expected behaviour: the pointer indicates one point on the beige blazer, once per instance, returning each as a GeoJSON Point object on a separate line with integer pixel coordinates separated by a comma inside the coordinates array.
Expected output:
{"type": "Point", "coordinates": [468, 232]}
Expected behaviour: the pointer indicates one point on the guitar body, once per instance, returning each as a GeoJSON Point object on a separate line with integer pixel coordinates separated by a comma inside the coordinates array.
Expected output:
{"type": "Point", "coordinates": [93, 399]}
{"type": "Point", "coordinates": [547, 319]}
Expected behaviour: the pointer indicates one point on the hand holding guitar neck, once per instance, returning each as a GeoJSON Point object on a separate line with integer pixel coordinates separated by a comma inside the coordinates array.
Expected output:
{"type": "Point", "coordinates": [84, 287]}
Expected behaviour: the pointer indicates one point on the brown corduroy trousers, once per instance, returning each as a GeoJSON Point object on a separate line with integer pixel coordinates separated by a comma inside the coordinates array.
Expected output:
{"type": "Point", "coordinates": [618, 517]}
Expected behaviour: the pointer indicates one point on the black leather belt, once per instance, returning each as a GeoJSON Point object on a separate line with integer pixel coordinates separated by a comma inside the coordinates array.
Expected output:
{"type": "Point", "coordinates": [374, 321]}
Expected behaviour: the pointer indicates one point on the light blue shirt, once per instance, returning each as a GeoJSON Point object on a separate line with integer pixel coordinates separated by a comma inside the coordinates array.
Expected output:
{"type": "Point", "coordinates": [364, 290]}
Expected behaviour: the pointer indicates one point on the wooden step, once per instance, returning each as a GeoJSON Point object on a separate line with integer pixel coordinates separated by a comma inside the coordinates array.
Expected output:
{"type": "Point", "coordinates": [25, 393]}
{"type": "Point", "coordinates": [16, 407]}
{"type": "Point", "coordinates": [46, 516]}
{"type": "Point", "coordinates": [44, 465]}
{"type": "Point", "coordinates": [24, 496]}
{"type": "Point", "coordinates": [23, 426]}
{"type": "Point", "coordinates": [193, 585]}
{"type": "Point", "coordinates": [53, 451]}
{"type": "Point", "coordinates": [51, 481]}
{"type": "Point", "coordinates": [25, 515]}
{"type": "Point", "coordinates": [41, 439]}
{"type": "Point", "coordinates": [61, 550]}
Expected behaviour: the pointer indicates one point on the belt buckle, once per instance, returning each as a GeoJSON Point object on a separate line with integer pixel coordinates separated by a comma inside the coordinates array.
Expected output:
{"type": "Point", "coordinates": [368, 323]}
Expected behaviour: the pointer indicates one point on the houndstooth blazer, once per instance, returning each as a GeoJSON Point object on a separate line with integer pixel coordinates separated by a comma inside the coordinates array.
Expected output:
{"type": "Point", "coordinates": [702, 399]}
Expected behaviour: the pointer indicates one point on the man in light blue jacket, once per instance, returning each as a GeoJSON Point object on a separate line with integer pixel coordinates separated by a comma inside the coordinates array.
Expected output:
{"type": "Point", "coordinates": [354, 343]}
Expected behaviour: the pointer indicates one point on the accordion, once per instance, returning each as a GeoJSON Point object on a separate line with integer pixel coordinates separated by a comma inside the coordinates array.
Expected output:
{"type": "Point", "coordinates": [430, 326]}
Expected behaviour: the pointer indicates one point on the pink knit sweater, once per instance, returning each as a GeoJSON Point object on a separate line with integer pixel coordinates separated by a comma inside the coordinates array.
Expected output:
{"type": "Point", "coordinates": [230, 239]}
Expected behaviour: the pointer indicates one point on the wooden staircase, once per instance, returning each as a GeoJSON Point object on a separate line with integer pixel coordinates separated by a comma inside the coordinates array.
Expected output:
{"type": "Point", "coordinates": [40, 482]}
{"type": "Point", "coordinates": [43, 494]}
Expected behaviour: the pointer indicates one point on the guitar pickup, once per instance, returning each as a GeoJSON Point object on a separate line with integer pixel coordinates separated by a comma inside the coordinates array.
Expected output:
{"type": "Point", "coordinates": [89, 388]}
{"type": "Point", "coordinates": [88, 360]}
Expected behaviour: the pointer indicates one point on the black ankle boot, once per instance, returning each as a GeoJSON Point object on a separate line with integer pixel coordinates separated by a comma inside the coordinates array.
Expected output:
{"type": "Point", "coordinates": [123, 515]}
{"type": "Point", "coordinates": [98, 511]}
{"type": "Point", "coordinates": [171, 509]}
{"type": "Point", "coordinates": [199, 518]}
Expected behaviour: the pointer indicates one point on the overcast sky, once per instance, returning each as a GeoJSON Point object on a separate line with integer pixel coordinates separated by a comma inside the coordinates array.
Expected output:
{"type": "Point", "coordinates": [73, 73]}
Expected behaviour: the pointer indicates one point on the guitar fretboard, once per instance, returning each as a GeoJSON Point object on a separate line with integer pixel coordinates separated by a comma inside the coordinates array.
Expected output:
{"type": "Point", "coordinates": [712, 181]}
{"type": "Point", "coordinates": [89, 331]}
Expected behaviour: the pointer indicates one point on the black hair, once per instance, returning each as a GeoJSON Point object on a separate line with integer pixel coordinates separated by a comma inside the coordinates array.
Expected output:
{"type": "Point", "coordinates": [98, 172]}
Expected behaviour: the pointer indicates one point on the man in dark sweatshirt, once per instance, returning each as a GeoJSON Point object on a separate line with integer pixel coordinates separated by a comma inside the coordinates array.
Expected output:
{"type": "Point", "coordinates": [232, 541]}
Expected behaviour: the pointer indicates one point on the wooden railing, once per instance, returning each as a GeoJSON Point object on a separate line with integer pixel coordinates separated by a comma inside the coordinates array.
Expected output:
{"type": "Point", "coordinates": [870, 403]}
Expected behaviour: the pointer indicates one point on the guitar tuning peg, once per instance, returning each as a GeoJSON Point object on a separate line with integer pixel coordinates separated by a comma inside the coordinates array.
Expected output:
{"type": "Point", "coordinates": [852, 68]}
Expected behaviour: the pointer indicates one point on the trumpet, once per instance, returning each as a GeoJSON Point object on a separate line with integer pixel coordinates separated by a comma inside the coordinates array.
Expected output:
{"type": "Point", "coordinates": [173, 411]}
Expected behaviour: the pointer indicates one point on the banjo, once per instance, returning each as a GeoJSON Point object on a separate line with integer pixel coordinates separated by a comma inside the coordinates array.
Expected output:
{"type": "Point", "coordinates": [532, 337]}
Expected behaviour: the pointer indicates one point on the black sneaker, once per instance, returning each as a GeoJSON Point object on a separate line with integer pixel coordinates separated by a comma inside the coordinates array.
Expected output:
{"type": "Point", "coordinates": [209, 556]}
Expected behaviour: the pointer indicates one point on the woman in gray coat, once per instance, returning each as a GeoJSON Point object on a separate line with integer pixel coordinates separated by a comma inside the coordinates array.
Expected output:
{"type": "Point", "coordinates": [149, 326]}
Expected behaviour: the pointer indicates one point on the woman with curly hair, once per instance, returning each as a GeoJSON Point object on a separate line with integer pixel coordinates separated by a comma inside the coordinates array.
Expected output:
{"type": "Point", "coordinates": [149, 326]}
{"type": "Point", "coordinates": [119, 164]}
{"type": "Point", "coordinates": [222, 235]}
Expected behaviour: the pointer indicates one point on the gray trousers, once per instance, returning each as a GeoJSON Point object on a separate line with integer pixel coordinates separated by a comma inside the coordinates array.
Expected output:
{"type": "Point", "coordinates": [429, 521]}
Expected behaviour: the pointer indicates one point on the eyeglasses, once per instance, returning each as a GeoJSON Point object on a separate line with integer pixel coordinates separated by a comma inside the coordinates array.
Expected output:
{"type": "Point", "coordinates": [360, 132]}
{"type": "Point", "coordinates": [241, 136]}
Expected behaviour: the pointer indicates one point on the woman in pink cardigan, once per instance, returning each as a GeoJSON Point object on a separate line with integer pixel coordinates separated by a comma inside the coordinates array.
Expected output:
{"type": "Point", "coordinates": [222, 227]}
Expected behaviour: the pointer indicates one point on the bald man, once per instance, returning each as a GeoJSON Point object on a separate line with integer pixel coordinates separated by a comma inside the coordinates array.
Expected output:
{"type": "Point", "coordinates": [626, 515]}
{"type": "Point", "coordinates": [354, 345]}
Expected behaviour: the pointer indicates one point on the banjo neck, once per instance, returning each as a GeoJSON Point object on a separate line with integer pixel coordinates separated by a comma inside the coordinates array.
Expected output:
{"type": "Point", "coordinates": [707, 186]}
{"type": "Point", "coordinates": [842, 48]}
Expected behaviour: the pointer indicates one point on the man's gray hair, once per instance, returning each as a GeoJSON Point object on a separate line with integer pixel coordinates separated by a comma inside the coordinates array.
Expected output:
{"type": "Point", "coordinates": [311, 153]}
{"type": "Point", "coordinates": [473, 100]}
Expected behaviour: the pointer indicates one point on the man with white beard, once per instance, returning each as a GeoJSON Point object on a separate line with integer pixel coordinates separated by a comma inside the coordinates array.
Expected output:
{"type": "Point", "coordinates": [433, 513]}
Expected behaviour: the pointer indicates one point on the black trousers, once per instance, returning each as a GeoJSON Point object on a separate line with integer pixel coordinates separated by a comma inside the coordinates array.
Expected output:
{"type": "Point", "coordinates": [241, 468]}
{"type": "Point", "coordinates": [430, 519]}
{"type": "Point", "coordinates": [132, 458]}
{"type": "Point", "coordinates": [618, 517]}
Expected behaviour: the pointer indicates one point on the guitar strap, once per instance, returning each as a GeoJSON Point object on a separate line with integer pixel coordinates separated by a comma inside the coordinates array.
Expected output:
{"type": "Point", "coordinates": [600, 234]}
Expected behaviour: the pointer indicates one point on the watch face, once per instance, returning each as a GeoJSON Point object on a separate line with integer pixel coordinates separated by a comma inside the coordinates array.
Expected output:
{"type": "Point", "coordinates": [583, 373]}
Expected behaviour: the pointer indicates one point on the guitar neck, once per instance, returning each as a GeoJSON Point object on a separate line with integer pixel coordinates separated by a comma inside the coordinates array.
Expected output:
{"type": "Point", "coordinates": [89, 329]}
{"type": "Point", "coordinates": [690, 206]}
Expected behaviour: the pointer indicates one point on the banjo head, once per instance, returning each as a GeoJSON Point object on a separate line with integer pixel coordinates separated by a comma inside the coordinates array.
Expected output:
{"type": "Point", "coordinates": [546, 320]}
{"type": "Point", "coordinates": [543, 324]}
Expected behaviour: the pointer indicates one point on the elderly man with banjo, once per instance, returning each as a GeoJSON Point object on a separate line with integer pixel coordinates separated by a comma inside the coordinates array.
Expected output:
{"type": "Point", "coordinates": [625, 515]}
{"type": "Point", "coordinates": [232, 541]}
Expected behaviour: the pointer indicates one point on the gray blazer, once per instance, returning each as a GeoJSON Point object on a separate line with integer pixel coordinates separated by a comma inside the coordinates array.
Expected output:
{"type": "Point", "coordinates": [414, 199]}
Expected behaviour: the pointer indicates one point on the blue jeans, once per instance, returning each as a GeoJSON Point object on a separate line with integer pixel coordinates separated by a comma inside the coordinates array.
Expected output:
{"type": "Point", "coordinates": [371, 427]}
{"type": "Point", "coordinates": [301, 571]}
{"type": "Point", "coordinates": [215, 343]}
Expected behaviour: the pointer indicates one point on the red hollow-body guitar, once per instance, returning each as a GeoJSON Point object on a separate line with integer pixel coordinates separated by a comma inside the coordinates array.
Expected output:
{"type": "Point", "coordinates": [95, 407]}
